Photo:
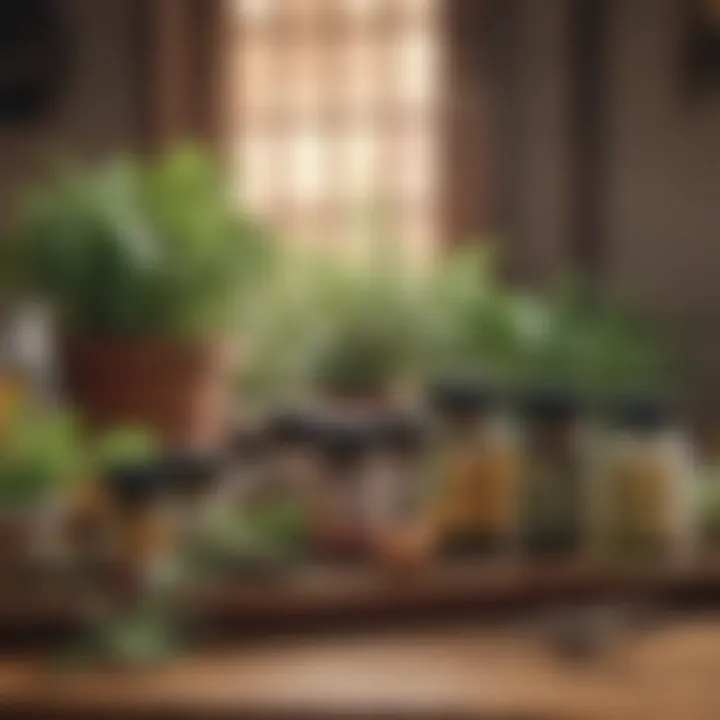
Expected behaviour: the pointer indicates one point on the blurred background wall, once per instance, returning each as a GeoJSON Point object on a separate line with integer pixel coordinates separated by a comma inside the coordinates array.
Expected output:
{"type": "Point", "coordinates": [99, 110]}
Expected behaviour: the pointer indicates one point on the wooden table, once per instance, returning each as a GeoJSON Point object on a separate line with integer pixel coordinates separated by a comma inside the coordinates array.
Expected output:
{"type": "Point", "coordinates": [672, 673]}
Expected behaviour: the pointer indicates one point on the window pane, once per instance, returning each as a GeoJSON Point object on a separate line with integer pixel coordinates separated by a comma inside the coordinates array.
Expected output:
{"type": "Point", "coordinates": [306, 167]}
{"type": "Point", "coordinates": [358, 156]}
{"type": "Point", "coordinates": [358, 88]}
{"type": "Point", "coordinates": [414, 163]}
{"type": "Point", "coordinates": [335, 102]}
{"type": "Point", "coordinates": [361, 10]}
{"type": "Point", "coordinates": [256, 158]}
{"type": "Point", "coordinates": [256, 14]}
{"type": "Point", "coordinates": [258, 75]}
{"type": "Point", "coordinates": [415, 68]}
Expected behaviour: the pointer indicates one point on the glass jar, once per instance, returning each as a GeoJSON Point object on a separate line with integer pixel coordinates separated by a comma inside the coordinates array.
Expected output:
{"type": "Point", "coordinates": [282, 507]}
{"type": "Point", "coordinates": [26, 359]}
{"type": "Point", "coordinates": [707, 506]}
{"type": "Point", "coordinates": [339, 526]}
{"type": "Point", "coordinates": [476, 501]}
{"type": "Point", "coordinates": [292, 462]}
{"type": "Point", "coordinates": [555, 484]}
{"type": "Point", "coordinates": [644, 498]}
{"type": "Point", "coordinates": [142, 527]}
{"type": "Point", "coordinates": [248, 450]}
{"type": "Point", "coordinates": [396, 490]}
{"type": "Point", "coordinates": [193, 479]}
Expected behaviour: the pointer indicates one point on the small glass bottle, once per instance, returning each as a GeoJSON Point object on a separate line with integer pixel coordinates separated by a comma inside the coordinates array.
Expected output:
{"type": "Point", "coordinates": [192, 479]}
{"type": "Point", "coordinates": [555, 484]}
{"type": "Point", "coordinates": [644, 497]}
{"type": "Point", "coordinates": [339, 527]}
{"type": "Point", "coordinates": [248, 455]}
{"type": "Point", "coordinates": [281, 507]}
{"type": "Point", "coordinates": [396, 491]}
{"type": "Point", "coordinates": [291, 464]}
{"type": "Point", "coordinates": [476, 501]}
{"type": "Point", "coordinates": [707, 506]}
{"type": "Point", "coordinates": [24, 361]}
{"type": "Point", "coordinates": [142, 527]}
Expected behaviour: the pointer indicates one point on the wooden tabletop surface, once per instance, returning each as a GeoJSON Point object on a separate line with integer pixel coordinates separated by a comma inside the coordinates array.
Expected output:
{"type": "Point", "coordinates": [670, 673]}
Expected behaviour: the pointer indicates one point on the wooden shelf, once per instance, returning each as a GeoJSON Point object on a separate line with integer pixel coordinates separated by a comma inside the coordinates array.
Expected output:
{"type": "Point", "coordinates": [314, 597]}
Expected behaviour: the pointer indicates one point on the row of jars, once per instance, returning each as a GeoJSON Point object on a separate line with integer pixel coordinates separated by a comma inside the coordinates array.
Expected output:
{"type": "Point", "coordinates": [470, 478]}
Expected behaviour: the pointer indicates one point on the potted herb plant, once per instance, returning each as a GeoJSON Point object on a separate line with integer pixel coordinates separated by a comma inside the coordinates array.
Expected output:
{"type": "Point", "coordinates": [146, 265]}
{"type": "Point", "coordinates": [371, 344]}
{"type": "Point", "coordinates": [41, 459]}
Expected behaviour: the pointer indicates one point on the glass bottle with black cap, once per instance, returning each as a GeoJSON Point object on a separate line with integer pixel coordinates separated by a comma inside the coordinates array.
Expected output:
{"type": "Point", "coordinates": [476, 500]}
{"type": "Point", "coordinates": [280, 506]}
{"type": "Point", "coordinates": [555, 484]}
{"type": "Point", "coordinates": [338, 527]}
{"type": "Point", "coordinates": [141, 528]}
{"type": "Point", "coordinates": [191, 476]}
{"type": "Point", "coordinates": [291, 468]}
{"type": "Point", "coordinates": [396, 490]}
{"type": "Point", "coordinates": [644, 499]}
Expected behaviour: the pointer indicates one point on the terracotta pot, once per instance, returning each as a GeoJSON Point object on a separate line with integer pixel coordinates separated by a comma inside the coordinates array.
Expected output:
{"type": "Point", "coordinates": [180, 391]}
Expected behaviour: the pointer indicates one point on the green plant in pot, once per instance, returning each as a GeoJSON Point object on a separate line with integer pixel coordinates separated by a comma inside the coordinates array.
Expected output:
{"type": "Point", "coordinates": [147, 265]}
{"type": "Point", "coordinates": [41, 460]}
{"type": "Point", "coordinates": [372, 337]}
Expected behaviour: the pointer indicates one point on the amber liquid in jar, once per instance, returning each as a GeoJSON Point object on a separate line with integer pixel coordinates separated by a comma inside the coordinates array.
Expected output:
{"type": "Point", "coordinates": [143, 529]}
{"type": "Point", "coordinates": [476, 501]}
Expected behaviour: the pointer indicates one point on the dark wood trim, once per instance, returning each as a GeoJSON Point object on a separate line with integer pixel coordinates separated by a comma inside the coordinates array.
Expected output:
{"type": "Point", "coordinates": [184, 51]}
{"type": "Point", "coordinates": [590, 25]}
{"type": "Point", "coordinates": [212, 36]}
{"type": "Point", "coordinates": [292, 603]}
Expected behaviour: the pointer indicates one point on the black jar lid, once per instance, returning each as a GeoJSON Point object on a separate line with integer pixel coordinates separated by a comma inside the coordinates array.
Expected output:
{"type": "Point", "coordinates": [187, 470]}
{"type": "Point", "coordinates": [248, 444]}
{"type": "Point", "coordinates": [644, 413]}
{"type": "Point", "coordinates": [400, 433]}
{"type": "Point", "coordinates": [137, 484]}
{"type": "Point", "coordinates": [551, 405]}
{"type": "Point", "coordinates": [345, 441]}
{"type": "Point", "coordinates": [293, 427]}
{"type": "Point", "coordinates": [465, 396]}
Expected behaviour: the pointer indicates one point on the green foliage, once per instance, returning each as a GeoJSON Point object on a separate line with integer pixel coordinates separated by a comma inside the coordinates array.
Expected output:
{"type": "Point", "coordinates": [569, 334]}
{"type": "Point", "coordinates": [44, 451]}
{"type": "Point", "coordinates": [139, 247]}
{"type": "Point", "coordinates": [358, 327]}
{"type": "Point", "coordinates": [374, 332]}
{"type": "Point", "coordinates": [478, 323]}
{"type": "Point", "coordinates": [123, 445]}
{"type": "Point", "coordinates": [596, 344]}
{"type": "Point", "coordinates": [40, 452]}
{"type": "Point", "coordinates": [280, 330]}
{"type": "Point", "coordinates": [343, 327]}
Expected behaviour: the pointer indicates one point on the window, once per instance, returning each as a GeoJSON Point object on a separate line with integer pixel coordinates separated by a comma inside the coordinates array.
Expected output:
{"type": "Point", "coordinates": [336, 108]}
